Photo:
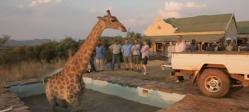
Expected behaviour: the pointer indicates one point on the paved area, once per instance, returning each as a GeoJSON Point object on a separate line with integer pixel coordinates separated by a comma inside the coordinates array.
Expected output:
{"type": "Point", "coordinates": [161, 80]}
{"type": "Point", "coordinates": [157, 79]}
{"type": "Point", "coordinates": [9, 102]}
{"type": "Point", "coordinates": [185, 87]}
{"type": "Point", "coordinates": [236, 101]}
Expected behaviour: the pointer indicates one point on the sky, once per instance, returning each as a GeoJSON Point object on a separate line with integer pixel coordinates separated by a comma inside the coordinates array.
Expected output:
{"type": "Point", "coordinates": [55, 19]}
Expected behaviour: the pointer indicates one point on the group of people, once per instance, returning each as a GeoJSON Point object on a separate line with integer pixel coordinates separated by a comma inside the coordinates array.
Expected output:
{"type": "Point", "coordinates": [212, 46]}
{"type": "Point", "coordinates": [228, 45]}
{"type": "Point", "coordinates": [194, 46]}
{"type": "Point", "coordinates": [135, 56]}
{"type": "Point", "coordinates": [181, 45]}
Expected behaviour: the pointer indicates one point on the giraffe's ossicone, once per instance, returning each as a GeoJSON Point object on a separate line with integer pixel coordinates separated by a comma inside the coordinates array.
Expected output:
{"type": "Point", "coordinates": [67, 85]}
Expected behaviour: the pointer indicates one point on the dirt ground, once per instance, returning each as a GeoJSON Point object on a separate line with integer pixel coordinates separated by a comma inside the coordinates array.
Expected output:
{"type": "Point", "coordinates": [193, 103]}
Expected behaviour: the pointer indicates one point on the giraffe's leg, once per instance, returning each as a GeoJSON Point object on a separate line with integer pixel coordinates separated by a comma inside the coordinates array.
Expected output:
{"type": "Point", "coordinates": [75, 102]}
{"type": "Point", "coordinates": [50, 97]}
{"type": "Point", "coordinates": [51, 101]}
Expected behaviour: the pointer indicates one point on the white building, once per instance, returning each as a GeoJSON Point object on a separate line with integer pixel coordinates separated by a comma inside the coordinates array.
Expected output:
{"type": "Point", "coordinates": [205, 28]}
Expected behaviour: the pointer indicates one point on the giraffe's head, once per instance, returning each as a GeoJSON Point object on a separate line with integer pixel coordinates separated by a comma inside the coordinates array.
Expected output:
{"type": "Point", "coordinates": [112, 22]}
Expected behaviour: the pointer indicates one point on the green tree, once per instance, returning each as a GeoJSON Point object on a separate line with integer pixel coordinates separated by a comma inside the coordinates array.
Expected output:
{"type": "Point", "coordinates": [134, 35]}
{"type": "Point", "coordinates": [44, 52]}
{"type": "Point", "coordinates": [48, 51]}
{"type": "Point", "coordinates": [3, 51]}
{"type": "Point", "coordinates": [4, 39]}
{"type": "Point", "coordinates": [67, 47]}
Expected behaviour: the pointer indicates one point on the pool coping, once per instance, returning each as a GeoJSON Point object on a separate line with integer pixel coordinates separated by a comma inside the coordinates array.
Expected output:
{"type": "Point", "coordinates": [134, 83]}
{"type": "Point", "coordinates": [10, 102]}
{"type": "Point", "coordinates": [138, 94]}
{"type": "Point", "coordinates": [123, 81]}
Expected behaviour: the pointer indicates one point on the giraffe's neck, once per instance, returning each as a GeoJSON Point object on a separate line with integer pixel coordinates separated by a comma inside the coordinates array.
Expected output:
{"type": "Point", "coordinates": [78, 63]}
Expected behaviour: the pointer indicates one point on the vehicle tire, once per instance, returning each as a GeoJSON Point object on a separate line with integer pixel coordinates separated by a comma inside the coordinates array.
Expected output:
{"type": "Point", "coordinates": [214, 83]}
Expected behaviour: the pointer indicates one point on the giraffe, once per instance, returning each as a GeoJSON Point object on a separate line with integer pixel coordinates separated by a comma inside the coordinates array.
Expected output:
{"type": "Point", "coordinates": [67, 85]}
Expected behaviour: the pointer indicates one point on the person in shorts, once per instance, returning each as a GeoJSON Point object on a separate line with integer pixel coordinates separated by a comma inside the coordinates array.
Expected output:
{"type": "Point", "coordinates": [136, 55]}
{"type": "Point", "coordinates": [126, 51]}
{"type": "Point", "coordinates": [145, 57]}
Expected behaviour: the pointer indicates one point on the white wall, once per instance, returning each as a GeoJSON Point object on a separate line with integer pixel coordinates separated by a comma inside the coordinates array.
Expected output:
{"type": "Point", "coordinates": [154, 30]}
{"type": "Point", "coordinates": [231, 31]}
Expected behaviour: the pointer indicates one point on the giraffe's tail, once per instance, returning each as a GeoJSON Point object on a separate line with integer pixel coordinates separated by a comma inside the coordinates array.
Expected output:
{"type": "Point", "coordinates": [45, 80]}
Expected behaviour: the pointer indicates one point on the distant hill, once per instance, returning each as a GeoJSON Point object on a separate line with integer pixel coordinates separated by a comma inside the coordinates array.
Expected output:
{"type": "Point", "coordinates": [26, 42]}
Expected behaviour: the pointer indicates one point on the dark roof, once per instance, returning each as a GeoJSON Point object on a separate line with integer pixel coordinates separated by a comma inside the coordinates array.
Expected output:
{"type": "Point", "coordinates": [243, 27]}
{"type": "Point", "coordinates": [202, 23]}
{"type": "Point", "coordinates": [198, 38]}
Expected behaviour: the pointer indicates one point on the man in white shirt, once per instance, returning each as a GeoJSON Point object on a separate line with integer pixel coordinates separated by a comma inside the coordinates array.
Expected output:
{"type": "Point", "coordinates": [136, 54]}
{"type": "Point", "coordinates": [171, 49]}
{"type": "Point", "coordinates": [229, 46]}
{"type": "Point", "coordinates": [180, 46]}
{"type": "Point", "coordinates": [116, 50]}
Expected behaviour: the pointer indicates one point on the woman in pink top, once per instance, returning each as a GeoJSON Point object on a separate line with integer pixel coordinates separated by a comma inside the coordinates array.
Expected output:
{"type": "Point", "coordinates": [145, 56]}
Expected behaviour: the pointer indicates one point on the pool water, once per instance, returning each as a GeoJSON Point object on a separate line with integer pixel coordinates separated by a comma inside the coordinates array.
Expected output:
{"type": "Point", "coordinates": [93, 102]}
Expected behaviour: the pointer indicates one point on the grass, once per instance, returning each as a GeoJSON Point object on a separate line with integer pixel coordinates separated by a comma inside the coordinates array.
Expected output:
{"type": "Point", "coordinates": [37, 70]}
{"type": "Point", "coordinates": [27, 70]}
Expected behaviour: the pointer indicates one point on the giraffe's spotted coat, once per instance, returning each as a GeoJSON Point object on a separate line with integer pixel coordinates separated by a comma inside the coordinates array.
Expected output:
{"type": "Point", "coordinates": [67, 85]}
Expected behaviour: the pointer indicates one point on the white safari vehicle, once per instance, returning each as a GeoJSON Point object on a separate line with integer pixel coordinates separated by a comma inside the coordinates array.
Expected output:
{"type": "Point", "coordinates": [214, 72]}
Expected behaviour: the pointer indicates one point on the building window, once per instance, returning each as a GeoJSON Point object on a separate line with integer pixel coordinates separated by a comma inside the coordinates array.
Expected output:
{"type": "Point", "coordinates": [159, 27]}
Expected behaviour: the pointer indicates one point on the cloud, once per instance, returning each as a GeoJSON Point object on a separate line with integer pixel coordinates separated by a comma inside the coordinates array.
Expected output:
{"type": "Point", "coordinates": [173, 6]}
{"type": "Point", "coordinates": [174, 9]}
{"type": "Point", "coordinates": [137, 23]}
{"type": "Point", "coordinates": [194, 5]}
{"type": "Point", "coordinates": [43, 2]}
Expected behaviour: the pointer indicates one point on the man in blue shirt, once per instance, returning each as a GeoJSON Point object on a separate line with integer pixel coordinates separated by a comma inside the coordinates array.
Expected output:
{"type": "Point", "coordinates": [126, 51]}
{"type": "Point", "coordinates": [193, 47]}
{"type": "Point", "coordinates": [100, 56]}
